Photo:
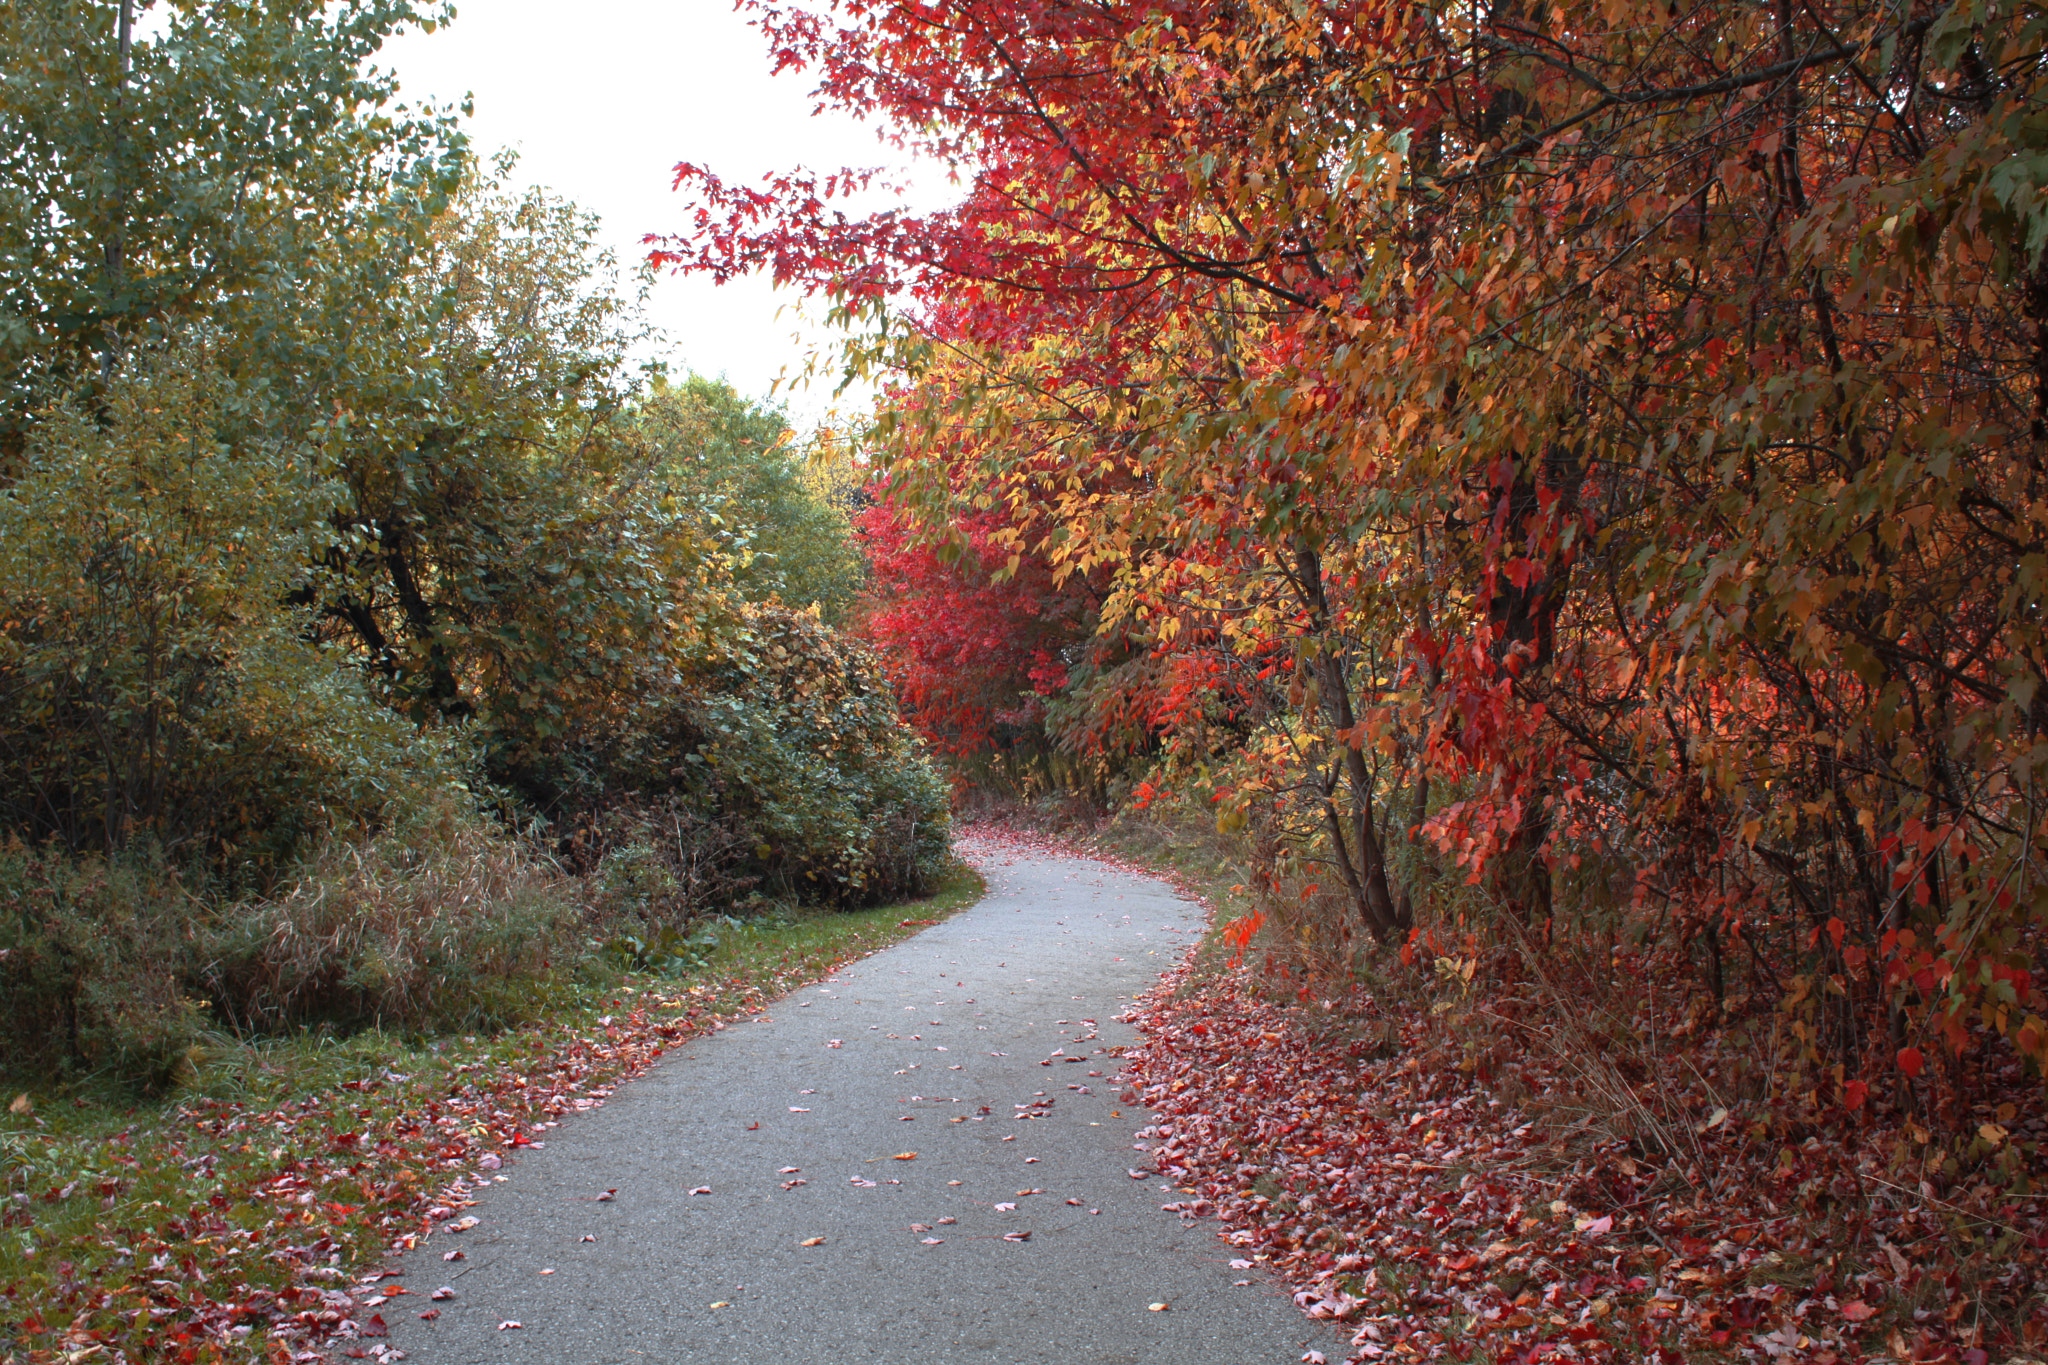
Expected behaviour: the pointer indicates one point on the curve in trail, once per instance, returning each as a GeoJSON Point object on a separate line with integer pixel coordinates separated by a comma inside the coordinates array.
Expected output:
{"type": "Point", "coordinates": [986, 1046]}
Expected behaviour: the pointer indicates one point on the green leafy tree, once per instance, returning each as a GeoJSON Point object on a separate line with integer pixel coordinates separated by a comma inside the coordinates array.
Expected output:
{"type": "Point", "coordinates": [187, 173]}
{"type": "Point", "coordinates": [154, 682]}
{"type": "Point", "coordinates": [502, 549]}
{"type": "Point", "coordinates": [736, 459]}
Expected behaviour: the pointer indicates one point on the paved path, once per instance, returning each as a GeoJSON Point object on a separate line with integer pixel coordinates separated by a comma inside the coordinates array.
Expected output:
{"type": "Point", "coordinates": [939, 1045]}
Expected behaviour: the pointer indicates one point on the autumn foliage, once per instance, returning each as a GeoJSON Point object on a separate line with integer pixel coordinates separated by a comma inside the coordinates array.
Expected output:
{"type": "Point", "coordinates": [1604, 448]}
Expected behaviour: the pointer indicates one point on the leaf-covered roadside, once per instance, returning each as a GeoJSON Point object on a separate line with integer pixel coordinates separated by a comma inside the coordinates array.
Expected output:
{"type": "Point", "coordinates": [1341, 1147]}
{"type": "Point", "coordinates": [1345, 1142]}
{"type": "Point", "coordinates": [254, 1225]}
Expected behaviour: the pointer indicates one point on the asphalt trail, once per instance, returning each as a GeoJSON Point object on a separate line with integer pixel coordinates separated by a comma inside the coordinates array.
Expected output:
{"type": "Point", "coordinates": [940, 1042]}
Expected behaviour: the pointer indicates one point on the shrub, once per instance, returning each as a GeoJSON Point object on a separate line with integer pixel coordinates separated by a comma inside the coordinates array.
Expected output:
{"type": "Point", "coordinates": [93, 959]}
{"type": "Point", "coordinates": [156, 687]}
{"type": "Point", "coordinates": [666, 864]}
{"type": "Point", "coordinates": [801, 736]}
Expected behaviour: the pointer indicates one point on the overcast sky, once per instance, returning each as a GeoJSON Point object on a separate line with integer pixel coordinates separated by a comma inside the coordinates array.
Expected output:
{"type": "Point", "coordinates": [603, 97]}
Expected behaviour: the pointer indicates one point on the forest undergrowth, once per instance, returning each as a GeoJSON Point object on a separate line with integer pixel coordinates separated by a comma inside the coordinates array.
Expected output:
{"type": "Point", "coordinates": [1463, 1164]}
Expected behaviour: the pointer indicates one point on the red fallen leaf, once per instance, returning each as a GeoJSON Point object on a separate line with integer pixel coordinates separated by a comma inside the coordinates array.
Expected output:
{"type": "Point", "coordinates": [701, 1189]}
{"type": "Point", "coordinates": [1138, 1175]}
{"type": "Point", "coordinates": [1856, 1310]}
{"type": "Point", "coordinates": [441, 1294]}
{"type": "Point", "coordinates": [453, 1256]}
{"type": "Point", "coordinates": [510, 1325]}
{"type": "Point", "coordinates": [1024, 1236]}
{"type": "Point", "coordinates": [608, 1196]}
{"type": "Point", "coordinates": [430, 1315]}
{"type": "Point", "coordinates": [375, 1326]}
{"type": "Point", "coordinates": [752, 1126]}
{"type": "Point", "coordinates": [521, 1140]}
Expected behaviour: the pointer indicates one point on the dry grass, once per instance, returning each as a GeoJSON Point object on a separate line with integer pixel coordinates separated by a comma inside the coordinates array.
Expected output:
{"type": "Point", "coordinates": [434, 925]}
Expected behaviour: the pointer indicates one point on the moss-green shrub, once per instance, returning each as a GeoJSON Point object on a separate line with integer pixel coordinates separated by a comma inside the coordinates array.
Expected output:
{"type": "Point", "coordinates": [801, 736]}
{"type": "Point", "coordinates": [95, 954]}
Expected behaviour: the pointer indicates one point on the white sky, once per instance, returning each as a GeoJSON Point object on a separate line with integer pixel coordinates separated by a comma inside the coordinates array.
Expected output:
{"type": "Point", "coordinates": [602, 98]}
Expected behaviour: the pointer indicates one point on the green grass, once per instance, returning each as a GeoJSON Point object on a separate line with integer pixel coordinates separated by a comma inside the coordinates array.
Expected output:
{"type": "Point", "coordinates": [109, 1204]}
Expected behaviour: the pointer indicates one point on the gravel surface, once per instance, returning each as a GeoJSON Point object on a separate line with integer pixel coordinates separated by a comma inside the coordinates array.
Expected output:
{"type": "Point", "coordinates": [986, 1046]}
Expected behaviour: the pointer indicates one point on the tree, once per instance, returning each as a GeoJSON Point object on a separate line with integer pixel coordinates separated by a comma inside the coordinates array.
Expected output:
{"type": "Point", "coordinates": [1626, 424]}
{"type": "Point", "coordinates": [156, 180]}
{"type": "Point", "coordinates": [736, 460]}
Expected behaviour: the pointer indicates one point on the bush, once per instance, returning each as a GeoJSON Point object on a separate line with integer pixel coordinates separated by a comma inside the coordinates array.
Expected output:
{"type": "Point", "coordinates": [774, 758]}
{"type": "Point", "coordinates": [94, 956]}
{"type": "Point", "coordinates": [666, 864]}
{"type": "Point", "coordinates": [801, 737]}
{"type": "Point", "coordinates": [444, 922]}
{"type": "Point", "coordinates": [155, 686]}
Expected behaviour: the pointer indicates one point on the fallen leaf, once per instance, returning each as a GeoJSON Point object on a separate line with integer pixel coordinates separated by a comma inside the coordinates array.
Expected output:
{"type": "Point", "coordinates": [452, 1256]}
{"type": "Point", "coordinates": [374, 1327]}
{"type": "Point", "coordinates": [789, 1170]}
{"type": "Point", "coordinates": [1024, 1236]}
{"type": "Point", "coordinates": [934, 1241]}
{"type": "Point", "coordinates": [463, 1224]}
{"type": "Point", "coordinates": [430, 1315]}
{"type": "Point", "coordinates": [22, 1105]}
{"type": "Point", "coordinates": [1155, 1308]}
{"type": "Point", "coordinates": [812, 1242]}
{"type": "Point", "coordinates": [1314, 1358]}
{"type": "Point", "coordinates": [701, 1189]}
{"type": "Point", "coordinates": [721, 1304]}
{"type": "Point", "coordinates": [1856, 1310]}
{"type": "Point", "coordinates": [608, 1196]}
{"type": "Point", "coordinates": [442, 1294]}
{"type": "Point", "coordinates": [510, 1325]}
{"type": "Point", "coordinates": [1075, 1202]}
{"type": "Point", "coordinates": [904, 1156]}
{"type": "Point", "coordinates": [1005, 1208]}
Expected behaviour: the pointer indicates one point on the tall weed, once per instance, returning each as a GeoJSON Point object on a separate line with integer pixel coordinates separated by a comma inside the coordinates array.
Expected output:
{"type": "Point", "coordinates": [443, 922]}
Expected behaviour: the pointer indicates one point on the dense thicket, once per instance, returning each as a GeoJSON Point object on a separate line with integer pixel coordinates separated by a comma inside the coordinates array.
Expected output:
{"type": "Point", "coordinates": [371, 639]}
{"type": "Point", "coordinates": [1590, 462]}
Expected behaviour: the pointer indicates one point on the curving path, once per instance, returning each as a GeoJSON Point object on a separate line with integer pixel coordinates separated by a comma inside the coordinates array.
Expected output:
{"type": "Point", "coordinates": [935, 1047]}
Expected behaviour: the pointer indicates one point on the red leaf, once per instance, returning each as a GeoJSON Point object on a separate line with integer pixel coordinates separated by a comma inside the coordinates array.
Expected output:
{"type": "Point", "coordinates": [1910, 1061]}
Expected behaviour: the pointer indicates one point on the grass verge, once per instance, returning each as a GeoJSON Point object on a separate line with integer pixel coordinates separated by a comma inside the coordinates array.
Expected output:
{"type": "Point", "coordinates": [225, 1222]}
